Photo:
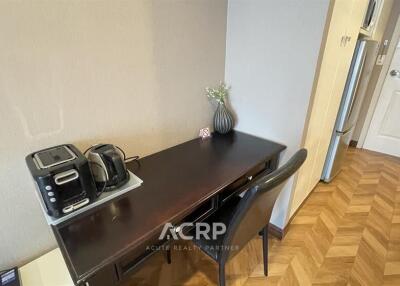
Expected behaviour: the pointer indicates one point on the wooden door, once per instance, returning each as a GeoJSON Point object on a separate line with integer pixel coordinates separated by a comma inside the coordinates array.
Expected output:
{"type": "Point", "coordinates": [384, 131]}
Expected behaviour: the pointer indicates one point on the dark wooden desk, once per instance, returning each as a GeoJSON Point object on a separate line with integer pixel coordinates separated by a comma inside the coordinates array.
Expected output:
{"type": "Point", "coordinates": [189, 180]}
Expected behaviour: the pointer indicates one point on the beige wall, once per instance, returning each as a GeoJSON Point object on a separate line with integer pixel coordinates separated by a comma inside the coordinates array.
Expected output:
{"type": "Point", "coordinates": [130, 73]}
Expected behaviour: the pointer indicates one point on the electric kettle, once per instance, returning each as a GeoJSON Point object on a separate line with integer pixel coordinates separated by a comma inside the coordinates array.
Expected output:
{"type": "Point", "coordinates": [108, 167]}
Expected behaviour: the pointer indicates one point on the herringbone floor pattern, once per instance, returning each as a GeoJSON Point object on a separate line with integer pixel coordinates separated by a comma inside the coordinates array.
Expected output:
{"type": "Point", "coordinates": [346, 233]}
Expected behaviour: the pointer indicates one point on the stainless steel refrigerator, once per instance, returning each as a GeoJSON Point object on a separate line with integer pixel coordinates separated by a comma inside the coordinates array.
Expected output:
{"type": "Point", "coordinates": [348, 113]}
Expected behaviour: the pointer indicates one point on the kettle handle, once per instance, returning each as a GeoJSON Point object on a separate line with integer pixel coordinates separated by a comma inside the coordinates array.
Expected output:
{"type": "Point", "coordinates": [117, 162]}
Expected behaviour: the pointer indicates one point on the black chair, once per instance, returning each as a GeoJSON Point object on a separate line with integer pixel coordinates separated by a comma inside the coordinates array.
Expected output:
{"type": "Point", "coordinates": [246, 217]}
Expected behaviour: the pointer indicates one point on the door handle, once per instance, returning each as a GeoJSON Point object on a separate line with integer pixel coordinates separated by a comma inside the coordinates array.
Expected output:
{"type": "Point", "coordinates": [343, 41]}
{"type": "Point", "coordinates": [395, 73]}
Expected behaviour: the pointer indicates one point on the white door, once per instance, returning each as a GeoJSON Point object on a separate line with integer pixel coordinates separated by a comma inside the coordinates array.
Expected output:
{"type": "Point", "coordinates": [384, 132]}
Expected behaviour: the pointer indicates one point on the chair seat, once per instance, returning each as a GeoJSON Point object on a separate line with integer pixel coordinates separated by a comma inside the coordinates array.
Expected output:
{"type": "Point", "coordinates": [224, 214]}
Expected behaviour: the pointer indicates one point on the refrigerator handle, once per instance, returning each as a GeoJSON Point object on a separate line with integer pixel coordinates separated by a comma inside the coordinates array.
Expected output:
{"type": "Point", "coordinates": [355, 94]}
{"type": "Point", "coordinates": [351, 86]}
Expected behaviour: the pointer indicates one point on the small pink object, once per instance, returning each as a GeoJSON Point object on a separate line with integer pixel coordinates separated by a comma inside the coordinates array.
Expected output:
{"type": "Point", "coordinates": [205, 133]}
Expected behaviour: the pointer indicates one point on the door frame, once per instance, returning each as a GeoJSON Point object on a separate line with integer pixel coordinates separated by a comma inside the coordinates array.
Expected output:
{"type": "Point", "coordinates": [394, 41]}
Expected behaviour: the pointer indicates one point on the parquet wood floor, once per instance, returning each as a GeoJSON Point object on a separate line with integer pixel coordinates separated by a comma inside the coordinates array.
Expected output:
{"type": "Point", "coordinates": [346, 233]}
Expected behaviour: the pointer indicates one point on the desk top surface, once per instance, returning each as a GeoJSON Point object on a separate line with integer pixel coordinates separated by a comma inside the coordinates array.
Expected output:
{"type": "Point", "coordinates": [176, 181]}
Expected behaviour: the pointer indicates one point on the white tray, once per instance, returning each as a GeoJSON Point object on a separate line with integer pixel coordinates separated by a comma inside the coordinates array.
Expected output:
{"type": "Point", "coordinates": [133, 183]}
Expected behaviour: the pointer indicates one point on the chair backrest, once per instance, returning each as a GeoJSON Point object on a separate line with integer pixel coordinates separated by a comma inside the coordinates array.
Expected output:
{"type": "Point", "coordinates": [254, 210]}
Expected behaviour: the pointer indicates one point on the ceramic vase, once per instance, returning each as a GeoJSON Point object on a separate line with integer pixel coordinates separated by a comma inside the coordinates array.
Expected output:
{"type": "Point", "coordinates": [223, 119]}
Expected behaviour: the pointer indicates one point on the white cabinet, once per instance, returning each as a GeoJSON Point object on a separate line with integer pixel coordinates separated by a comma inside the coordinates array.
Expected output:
{"type": "Point", "coordinates": [47, 270]}
{"type": "Point", "coordinates": [344, 26]}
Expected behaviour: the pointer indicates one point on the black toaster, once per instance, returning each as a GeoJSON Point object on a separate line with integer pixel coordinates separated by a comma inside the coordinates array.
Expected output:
{"type": "Point", "coordinates": [63, 178]}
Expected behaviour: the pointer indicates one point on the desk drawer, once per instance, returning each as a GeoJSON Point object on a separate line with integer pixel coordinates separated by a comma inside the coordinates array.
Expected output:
{"type": "Point", "coordinates": [107, 276]}
{"type": "Point", "coordinates": [128, 264]}
{"type": "Point", "coordinates": [234, 188]}
{"type": "Point", "coordinates": [202, 211]}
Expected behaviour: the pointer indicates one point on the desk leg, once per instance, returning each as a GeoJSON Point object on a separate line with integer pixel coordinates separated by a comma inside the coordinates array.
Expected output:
{"type": "Point", "coordinates": [169, 254]}
{"type": "Point", "coordinates": [265, 249]}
